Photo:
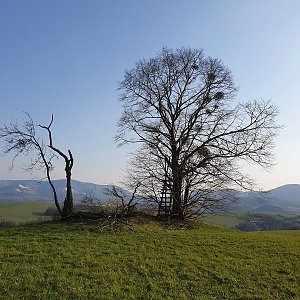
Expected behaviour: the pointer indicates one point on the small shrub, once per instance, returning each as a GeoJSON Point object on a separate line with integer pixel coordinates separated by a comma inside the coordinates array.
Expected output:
{"type": "Point", "coordinates": [52, 212]}
{"type": "Point", "coordinates": [4, 223]}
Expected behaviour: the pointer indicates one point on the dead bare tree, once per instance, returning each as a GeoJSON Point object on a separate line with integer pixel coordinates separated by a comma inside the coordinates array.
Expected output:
{"type": "Point", "coordinates": [180, 107]}
{"type": "Point", "coordinates": [23, 139]}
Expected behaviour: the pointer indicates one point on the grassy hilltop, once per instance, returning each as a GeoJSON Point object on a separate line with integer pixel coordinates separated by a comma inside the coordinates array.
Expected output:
{"type": "Point", "coordinates": [85, 261]}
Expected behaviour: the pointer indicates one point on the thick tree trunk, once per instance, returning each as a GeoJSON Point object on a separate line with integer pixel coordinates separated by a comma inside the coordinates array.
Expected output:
{"type": "Point", "coordinates": [68, 208]}
{"type": "Point", "coordinates": [177, 207]}
{"type": "Point", "coordinates": [177, 180]}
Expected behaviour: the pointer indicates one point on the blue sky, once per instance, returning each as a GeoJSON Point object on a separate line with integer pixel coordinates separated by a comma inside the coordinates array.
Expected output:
{"type": "Point", "coordinates": [66, 58]}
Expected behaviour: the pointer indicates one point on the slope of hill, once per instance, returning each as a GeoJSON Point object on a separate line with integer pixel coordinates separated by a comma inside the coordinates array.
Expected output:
{"type": "Point", "coordinates": [288, 195]}
{"type": "Point", "coordinates": [30, 190]}
{"type": "Point", "coordinates": [273, 209]}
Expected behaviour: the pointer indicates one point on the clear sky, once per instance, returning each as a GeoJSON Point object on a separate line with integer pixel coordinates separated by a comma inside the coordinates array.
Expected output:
{"type": "Point", "coordinates": [66, 57]}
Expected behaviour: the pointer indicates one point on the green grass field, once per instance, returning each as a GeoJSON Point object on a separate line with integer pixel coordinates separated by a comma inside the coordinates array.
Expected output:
{"type": "Point", "coordinates": [23, 211]}
{"type": "Point", "coordinates": [227, 219]}
{"type": "Point", "coordinates": [85, 261]}
{"type": "Point", "coordinates": [262, 221]}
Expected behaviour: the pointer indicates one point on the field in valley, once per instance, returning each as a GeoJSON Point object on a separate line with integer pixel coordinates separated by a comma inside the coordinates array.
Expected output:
{"type": "Point", "coordinates": [24, 211]}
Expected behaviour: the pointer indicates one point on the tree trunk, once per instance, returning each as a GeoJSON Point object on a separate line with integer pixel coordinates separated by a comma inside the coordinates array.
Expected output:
{"type": "Point", "coordinates": [68, 203]}
{"type": "Point", "coordinates": [177, 209]}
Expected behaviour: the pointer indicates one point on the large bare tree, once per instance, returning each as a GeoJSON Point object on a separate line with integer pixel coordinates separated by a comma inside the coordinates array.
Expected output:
{"type": "Point", "coordinates": [180, 106]}
{"type": "Point", "coordinates": [24, 139]}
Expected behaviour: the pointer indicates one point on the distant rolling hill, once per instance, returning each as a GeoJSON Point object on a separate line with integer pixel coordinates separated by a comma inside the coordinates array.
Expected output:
{"type": "Point", "coordinates": [281, 200]}
{"type": "Point", "coordinates": [30, 190]}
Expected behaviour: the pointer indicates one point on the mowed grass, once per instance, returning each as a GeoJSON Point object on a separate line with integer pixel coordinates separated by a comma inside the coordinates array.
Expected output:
{"type": "Point", "coordinates": [85, 261]}
{"type": "Point", "coordinates": [24, 211]}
